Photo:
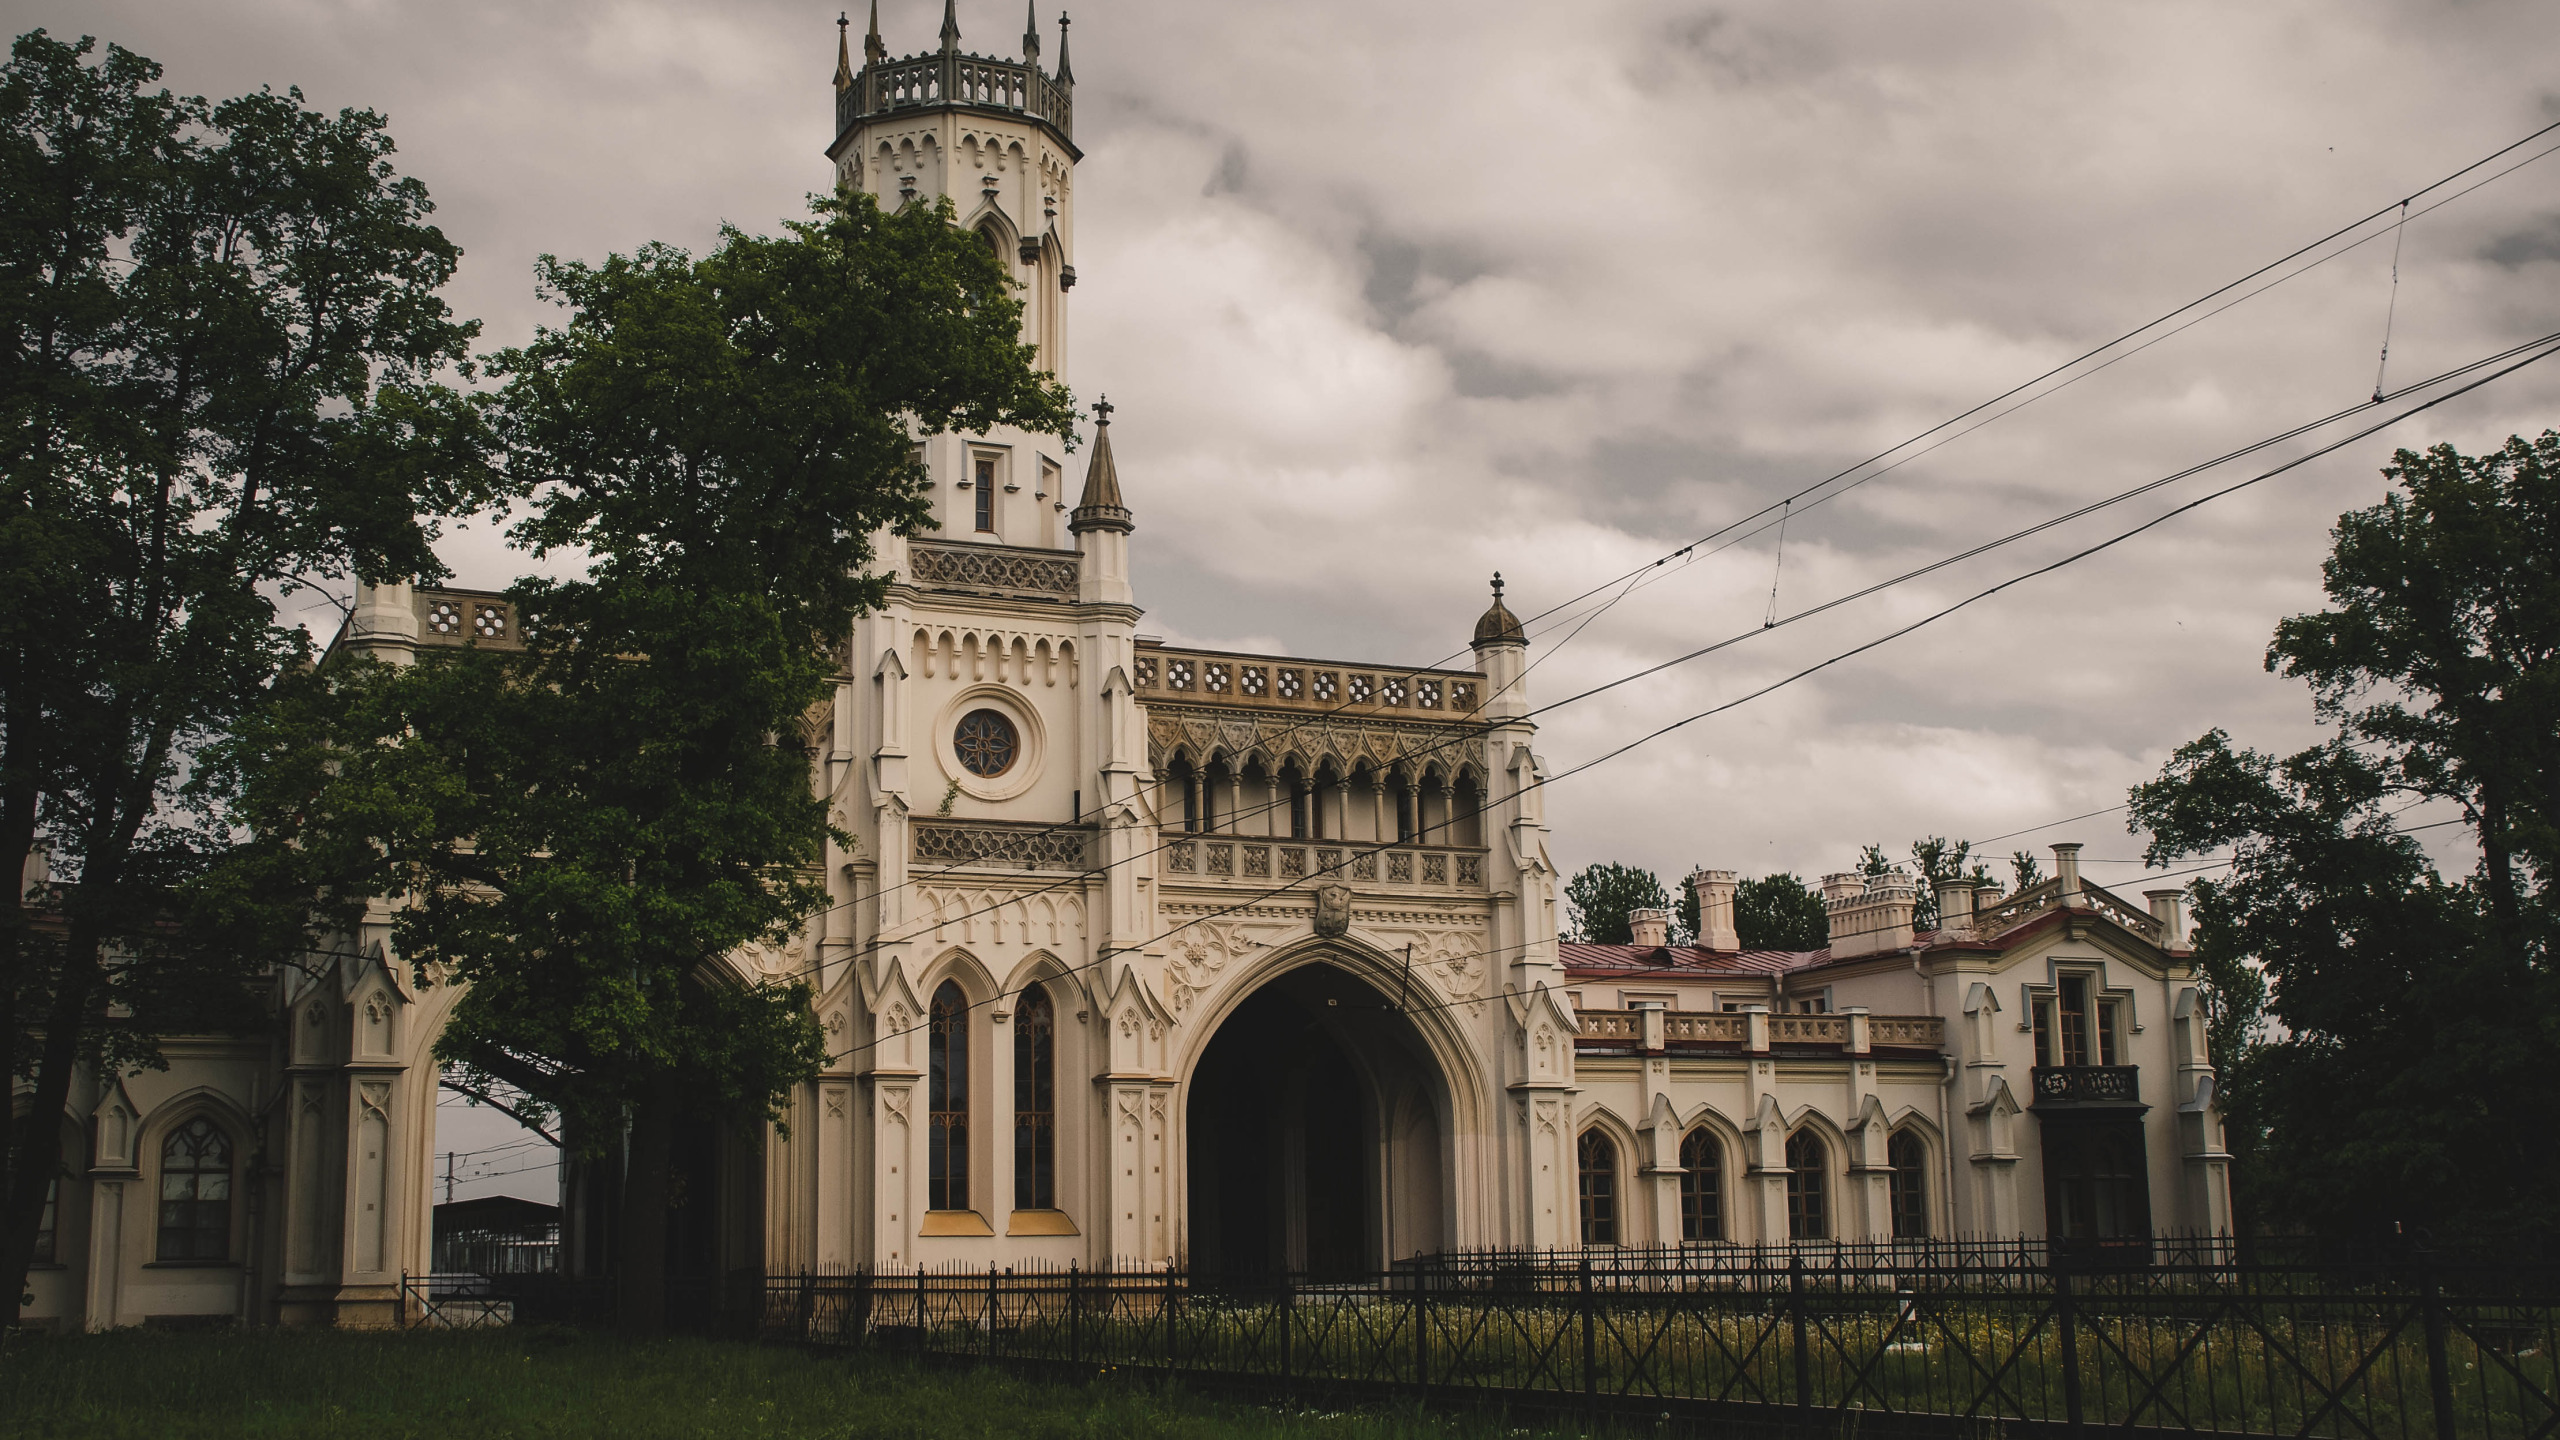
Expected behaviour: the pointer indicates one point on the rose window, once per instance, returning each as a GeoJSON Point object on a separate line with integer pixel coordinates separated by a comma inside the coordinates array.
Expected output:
{"type": "Point", "coordinates": [1217, 677]}
{"type": "Point", "coordinates": [1430, 694]}
{"type": "Point", "coordinates": [1326, 684]}
{"type": "Point", "coordinates": [1393, 692]}
{"type": "Point", "coordinates": [444, 617]}
{"type": "Point", "coordinates": [1177, 673]}
{"type": "Point", "coordinates": [491, 622]}
{"type": "Point", "coordinates": [986, 743]}
{"type": "Point", "coordinates": [1291, 682]}
{"type": "Point", "coordinates": [1362, 687]}
{"type": "Point", "coordinates": [1256, 680]}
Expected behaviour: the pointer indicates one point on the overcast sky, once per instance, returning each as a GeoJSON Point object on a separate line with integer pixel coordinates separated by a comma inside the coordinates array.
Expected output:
{"type": "Point", "coordinates": [1394, 296]}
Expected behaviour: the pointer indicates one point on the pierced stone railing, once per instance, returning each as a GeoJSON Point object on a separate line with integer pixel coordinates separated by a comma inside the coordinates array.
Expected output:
{"type": "Point", "coordinates": [1808, 1029]}
{"type": "Point", "coordinates": [1011, 569]}
{"type": "Point", "coordinates": [1003, 844]}
{"type": "Point", "coordinates": [973, 81]}
{"type": "Point", "coordinates": [1243, 857]}
{"type": "Point", "coordinates": [1917, 1031]}
{"type": "Point", "coordinates": [1733, 1028]}
{"type": "Point", "coordinates": [1706, 1029]}
{"type": "Point", "coordinates": [2035, 900]}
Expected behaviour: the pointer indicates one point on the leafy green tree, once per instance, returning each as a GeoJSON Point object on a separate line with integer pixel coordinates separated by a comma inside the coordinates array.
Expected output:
{"type": "Point", "coordinates": [1933, 859]}
{"type": "Point", "coordinates": [1780, 912]}
{"type": "Point", "coordinates": [2025, 871]}
{"type": "Point", "coordinates": [580, 830]}
{"type": "Point", "coordinates": [1600, 898]}
{"type": "Point", "coordinates": [218, 394]}
{"type": "Point", "coordinates": [2415, 1013]}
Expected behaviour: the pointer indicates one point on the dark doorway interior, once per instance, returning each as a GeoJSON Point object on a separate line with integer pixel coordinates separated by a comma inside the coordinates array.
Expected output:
{"type": "Point", "coordinates": [1312, 1132]}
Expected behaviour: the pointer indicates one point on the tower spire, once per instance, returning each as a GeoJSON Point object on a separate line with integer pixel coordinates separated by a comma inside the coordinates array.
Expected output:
{"type": "Point", "coordinates": [1066, 72]}
{"type": "Point", "coordinates": [844, 52]}
{"type": "Point", "coordinates": [873, 52]}
{"type": "Point", "coordinates": [1101, 508]}
{"type": "Point", "coordinates": [950, 27]}
{"type": "Point", "coordinates": [1031, 33]}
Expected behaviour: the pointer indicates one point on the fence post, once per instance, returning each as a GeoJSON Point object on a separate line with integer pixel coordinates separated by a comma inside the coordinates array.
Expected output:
{"type": "Point", "coordinates": [2439, 1365]}
{"type": "Point", "coordinates": [1169, 1345]}
{"type": "Point", "coordinates": [1075, 1317]}
{"type": "Point", "coordinates": [1590, 1337]}
{"type": "Point", "coordinates": [920, 1331]}
{"type": "Point", "coordinates": [1795, 1322]}
{"type": "Point", "coordinates": [991, 1312]}
{"type": "Point", "coordinates": [1421, 1327]}
{"type": "Point", "coordinates": [2067, 1322]}
{"type": "Point", "coordinates": [1288, 1323]}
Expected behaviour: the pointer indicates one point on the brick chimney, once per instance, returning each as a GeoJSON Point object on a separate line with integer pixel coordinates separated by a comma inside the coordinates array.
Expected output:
{"type": "Point", "coordinates": [1714, 889]}
{"type": "Point", "coordinates": [1875, 919]}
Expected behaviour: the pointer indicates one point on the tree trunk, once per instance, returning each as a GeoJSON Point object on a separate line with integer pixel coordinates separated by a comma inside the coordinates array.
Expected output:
{"type": "Point", "coordinates": [640, 1268]}
{"type": "Point", "coordinates": [36, 1148]}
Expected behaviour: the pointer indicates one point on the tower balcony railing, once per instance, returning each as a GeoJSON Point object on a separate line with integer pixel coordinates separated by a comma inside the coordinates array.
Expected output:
{"type": "Point", "coordinates": [1763, 1032]}
{"type": "Point", "coordinates": [975, 82]}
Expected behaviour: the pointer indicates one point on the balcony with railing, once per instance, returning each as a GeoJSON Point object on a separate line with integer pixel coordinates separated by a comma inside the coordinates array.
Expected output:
{"type": "Point", "coordinates": [1752, 1032]}
{"type": "Point", "coordinates": [2068, 1086]}
{"type": "Point", "coordinates": [957, 81]}
{"type": "Point", "coordinates": [1190, 857]}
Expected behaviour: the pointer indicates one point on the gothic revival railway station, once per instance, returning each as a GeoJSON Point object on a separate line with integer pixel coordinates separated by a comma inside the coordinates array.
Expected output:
{"type": "Point", "coordinates": [1145, 953]}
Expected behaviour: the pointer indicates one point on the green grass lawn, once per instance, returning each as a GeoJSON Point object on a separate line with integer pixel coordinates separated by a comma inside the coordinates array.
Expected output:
{"type": "Point", "coordinates": [555, 1385]}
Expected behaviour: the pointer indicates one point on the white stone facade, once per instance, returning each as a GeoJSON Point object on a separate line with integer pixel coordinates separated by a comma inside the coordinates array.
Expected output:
{"type": "Point", "coordinates": [1289, 926]}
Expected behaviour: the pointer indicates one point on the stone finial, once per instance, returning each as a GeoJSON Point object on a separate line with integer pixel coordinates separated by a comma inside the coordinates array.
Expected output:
{"type": "Point", "coordinates": [1498, 626]}
{"type": "Point", "coordinates": [1031, 33]}
{"type": "Point", "coordinates": [1101, 508]}
{"type": "Point", "coordinates": [950, 27]}
{"type": "Point", "coordinates": [844, 52]}
{"type": "Point", "coordinates": [1066, 72]}
{"type": "Point", "coordinates": [873, 49]}
{"type": "Point", "coordinates": [1652, 927]}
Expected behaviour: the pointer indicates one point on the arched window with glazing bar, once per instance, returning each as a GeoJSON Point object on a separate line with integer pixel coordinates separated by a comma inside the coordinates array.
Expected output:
{"type": "Point", "coordinates": [1597, 1155]}
{"type": "Point", "coordinates": [947, 1086]}
{"type": "Point", "coordinates": [1035, 1102]}
{"type": "Point", "coordinates": [1701, 1186]}
{"type": "Point", "coordinates": [1808, 1187]}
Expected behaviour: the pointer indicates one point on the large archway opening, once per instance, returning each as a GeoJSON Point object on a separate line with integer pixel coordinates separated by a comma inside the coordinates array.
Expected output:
{"type": "Point", "coordinates": [1315, 1133]}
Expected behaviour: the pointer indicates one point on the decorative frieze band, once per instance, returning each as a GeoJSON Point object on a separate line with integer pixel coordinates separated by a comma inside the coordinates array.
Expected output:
{"type": "Point", "coordinates": [988, 567]}
{"type": "Point", "coordinates": [1000, 843]}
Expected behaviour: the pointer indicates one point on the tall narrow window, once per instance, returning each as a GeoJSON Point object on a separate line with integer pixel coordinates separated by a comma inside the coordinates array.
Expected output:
{"type": "Point", "coordinates": [2042, 1013]}
{"type": "Point", "coordinates": [1808, 1187]}
{"type": "Point", "coordinates": [1910, 1160]}
{"type": "Point", "coordinates": [195, 1192]}
{"type": "Point", "coordinates": [2075, 1019]}
{"type": "Point", "coordinates": [1599, 1162]}
{"type": "Point", "coordinates": [2106, 1032]}
{"type": "Point", "coordinates": [1035, 1102]}
{"type": "Point", "coordinates": [986, 493]}
{"type": "Point", "coordinates": [47, 1225]}
{"type": "Point", "coordinates": [947, 1146]}
{"type": "Point", "coordinates": [1701, 1187]}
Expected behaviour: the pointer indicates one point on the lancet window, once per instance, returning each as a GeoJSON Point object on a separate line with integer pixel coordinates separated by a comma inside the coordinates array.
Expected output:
{"type": "Point", "coordinates": [195, 1193]}
{"type": "Point", "coordinates": [1035, 1101]}
{"type": "Point", "coordinates": [947, 1143]}
{"type": "Point", "coordinates": [1808, 1187]}
{"type": "Point", "coordinates": [1598, 1157]}
{"type": "Point", "coordinates": [1701, 1186]}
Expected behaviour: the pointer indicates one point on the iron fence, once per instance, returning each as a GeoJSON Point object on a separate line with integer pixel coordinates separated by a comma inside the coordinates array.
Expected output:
{"type": "Point", "coordinates": [1913, 1338]}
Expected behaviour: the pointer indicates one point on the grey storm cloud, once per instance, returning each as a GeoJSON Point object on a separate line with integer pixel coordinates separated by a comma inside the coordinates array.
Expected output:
{"type": "Point", "coordinates": [1393, 296]}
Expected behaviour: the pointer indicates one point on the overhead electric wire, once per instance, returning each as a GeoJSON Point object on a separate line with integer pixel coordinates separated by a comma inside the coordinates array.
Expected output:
{"type": "Point", "coordinates": [1639, 575]}
{"type": "Point", "coordinates": [1860, 649]}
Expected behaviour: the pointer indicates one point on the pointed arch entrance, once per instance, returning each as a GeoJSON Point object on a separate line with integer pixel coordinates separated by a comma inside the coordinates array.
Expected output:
{"type": "Point", "coordinates": [1317, 1125]}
